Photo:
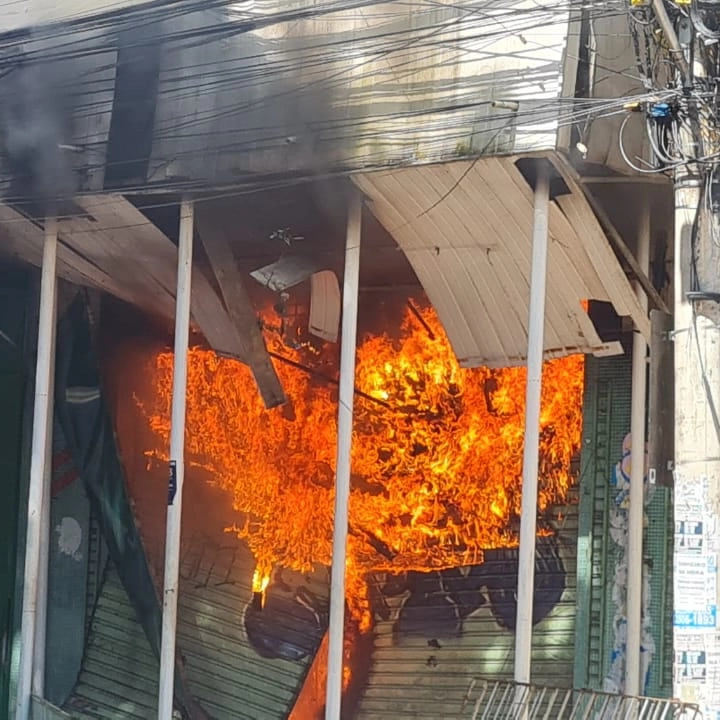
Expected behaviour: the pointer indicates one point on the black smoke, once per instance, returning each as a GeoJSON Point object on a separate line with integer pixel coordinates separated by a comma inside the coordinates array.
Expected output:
{"type": "Point", "coordinates": [36, 133]}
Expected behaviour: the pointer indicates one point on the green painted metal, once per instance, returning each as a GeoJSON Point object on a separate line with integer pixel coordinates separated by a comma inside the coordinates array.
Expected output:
{"type": "Point", "coordinates": [606, 422]}
{"type": "Point", "coordinates": [67, 574]}
{"type": "Point", "coordinates": [11, 392]}
{"type": "Point", "coordinates": [659, 549]}
{"type": "Point", "coordinates": [118, 679]}
{"type": "Point", "coordinates": [97, 565]}
{"type": "Point", "coordinates": [13, 307]}
{"type": "Point", "coordinates": [119, 674]}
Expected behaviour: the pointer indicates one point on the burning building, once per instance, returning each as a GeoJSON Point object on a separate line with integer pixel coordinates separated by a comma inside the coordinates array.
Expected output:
{"type": "Point", "coordinates": [437, 452]}
{"type": "Point", "coordinates": [445, 256]}
{"type": "Point", "coordinates": [435, 493]}
{"type": "Point", "coordinates": [436, 484]}
{"type": "Point", "coordinates": [435, 502]}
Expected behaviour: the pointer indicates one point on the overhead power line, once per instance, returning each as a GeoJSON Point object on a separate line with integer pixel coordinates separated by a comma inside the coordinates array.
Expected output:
{"type": "Point", "coordinates": [246, 103]}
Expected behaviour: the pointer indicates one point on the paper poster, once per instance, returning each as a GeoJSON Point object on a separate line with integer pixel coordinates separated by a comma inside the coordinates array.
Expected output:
{"type": "Point", "coordinates": [689, 534]}
{"type": "Point", "coordinates": [690, 494]}
{"type": "Point", "coordinates": [690, 665]}
{"type": "Point", "coordinates": [713, 675]}
{"type": "Point", "coordinates": [695, 580]}
{"type": "Point", "coordinates": [696, 637]}
{"type": "Point", "coordinates": [690, 658]}
{"type": "Point", "coordinates": [711, 539]}
{"type": "Point", "coordinates": [697, 669]}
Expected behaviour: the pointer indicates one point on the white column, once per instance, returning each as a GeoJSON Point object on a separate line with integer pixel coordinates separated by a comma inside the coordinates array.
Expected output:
{"type": "Point", "coordinates": [177, 463]}
{"type": "Point", "coordinates": [696, 341]}
{"type": "Point", "coordinates": [633, 681]}
{"type": "Point", "coordinates": [528, 518]}
{"type": "Point", "coordinates": [346, 395]}
{"type": "Point", "coordinates": [38, 676]}
{"type": "Point", "coordinates": [42, 414]}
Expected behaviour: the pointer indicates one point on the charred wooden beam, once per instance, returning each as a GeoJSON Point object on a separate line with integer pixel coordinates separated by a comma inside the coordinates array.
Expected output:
{"type": "Point", "coordinates": [326, 378]}
{"type": "Point", "coordinates": [117, 249]}
{"type": "Point", "coordinates": [243, 316]}
{"type": "Point", "coordinates": [374, 541]}
{"type": "Point", "coordinates": [421, 319]}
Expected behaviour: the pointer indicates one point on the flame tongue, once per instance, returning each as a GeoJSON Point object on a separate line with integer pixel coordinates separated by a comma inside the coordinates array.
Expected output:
{"type": "Point", "coordinates": [436, 467]}
{"type": "Point", "coordinates": [260, 582]}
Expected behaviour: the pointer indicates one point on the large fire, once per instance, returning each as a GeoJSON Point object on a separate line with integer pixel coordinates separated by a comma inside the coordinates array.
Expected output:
{"type": "Point", "coordinates": [436, 457]}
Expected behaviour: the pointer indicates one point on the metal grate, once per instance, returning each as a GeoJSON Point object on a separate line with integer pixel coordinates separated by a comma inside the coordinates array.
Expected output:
{"type": "Point", "coordinates": [606, 421]}
{"type": "Point", "coordinates": [490, 700]}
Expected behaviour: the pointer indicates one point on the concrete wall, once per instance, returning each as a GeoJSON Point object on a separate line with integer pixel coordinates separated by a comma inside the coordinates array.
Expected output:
{"type": "Point", "coordinates": [390, 83]}
{"type": "Point", "coordinates": [270, 87]}
{"type": "Point", "coordinates": [600, 44]}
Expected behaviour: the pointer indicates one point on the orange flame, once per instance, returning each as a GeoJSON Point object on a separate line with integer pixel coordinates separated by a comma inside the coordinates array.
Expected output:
{"type": "Point", "coordinates": [436, 467]}
{"type": "Point", "coordinates": [260, 581]}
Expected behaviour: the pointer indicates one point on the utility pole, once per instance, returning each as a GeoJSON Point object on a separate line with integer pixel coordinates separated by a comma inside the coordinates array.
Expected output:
{"type": "Point", "coordinates": [692, 45]}
{"type": "Point", "coordinates": [682, 130]}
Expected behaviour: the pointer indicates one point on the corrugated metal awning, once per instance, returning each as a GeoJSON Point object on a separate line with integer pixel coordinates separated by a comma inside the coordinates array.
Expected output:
{"type": "Point", "coordinates": [466, 228]}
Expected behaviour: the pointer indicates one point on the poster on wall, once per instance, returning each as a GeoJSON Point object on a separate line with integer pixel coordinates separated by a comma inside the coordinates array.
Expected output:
{"type": "Point", "coordinates": [689, 534]}
{"type": "Point", "coordinates": [690, 658]}
{"type": "Point", "coordinates": [696, 637]}
{"type": "Point", "coordinates": [695, 580]}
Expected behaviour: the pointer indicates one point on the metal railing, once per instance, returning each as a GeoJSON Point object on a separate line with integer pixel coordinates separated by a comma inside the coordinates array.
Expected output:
{"type": "Point", "coordinates": [503, 700]}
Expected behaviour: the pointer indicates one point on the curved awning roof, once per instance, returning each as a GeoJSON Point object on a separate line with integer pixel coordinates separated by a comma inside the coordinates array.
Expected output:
{"type": "Point", "coordinates": [466, 228]}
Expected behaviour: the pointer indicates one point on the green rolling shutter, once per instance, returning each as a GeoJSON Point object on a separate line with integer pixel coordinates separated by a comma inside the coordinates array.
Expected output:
{"type": "Point", "coordinates": [606, 423]}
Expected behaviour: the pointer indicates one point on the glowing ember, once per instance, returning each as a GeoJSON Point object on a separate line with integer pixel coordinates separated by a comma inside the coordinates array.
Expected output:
{"type": "Point", "coordinates": [436, 463]}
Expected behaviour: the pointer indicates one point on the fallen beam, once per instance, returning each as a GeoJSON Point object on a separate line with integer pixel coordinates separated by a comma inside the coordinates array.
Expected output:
{"type": "Point", "coordinates": [122, 241]}
{"type": "Point", "coordinates": [242, 314]}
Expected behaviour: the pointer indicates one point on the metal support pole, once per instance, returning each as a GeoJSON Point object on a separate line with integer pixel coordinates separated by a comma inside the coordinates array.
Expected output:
{"type": "Point", "coordinates": [636, 512]}
{"type": "Point", "coordinates": [38, 676]}
{"type": "Point", "coordinates": [42, 414]}
{"type": "Point", "coordinates": [177, 463]}
{"type": "Point", "coordinates": [333, 700]}
{"type": "Point", "coordinates": [528, 519]}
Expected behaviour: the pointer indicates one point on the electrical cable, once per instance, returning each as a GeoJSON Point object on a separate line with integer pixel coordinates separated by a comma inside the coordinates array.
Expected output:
{"type": "Point", "coordinates": [343, 130]}
{"type": "Point", "coordinates": [437, 127]}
